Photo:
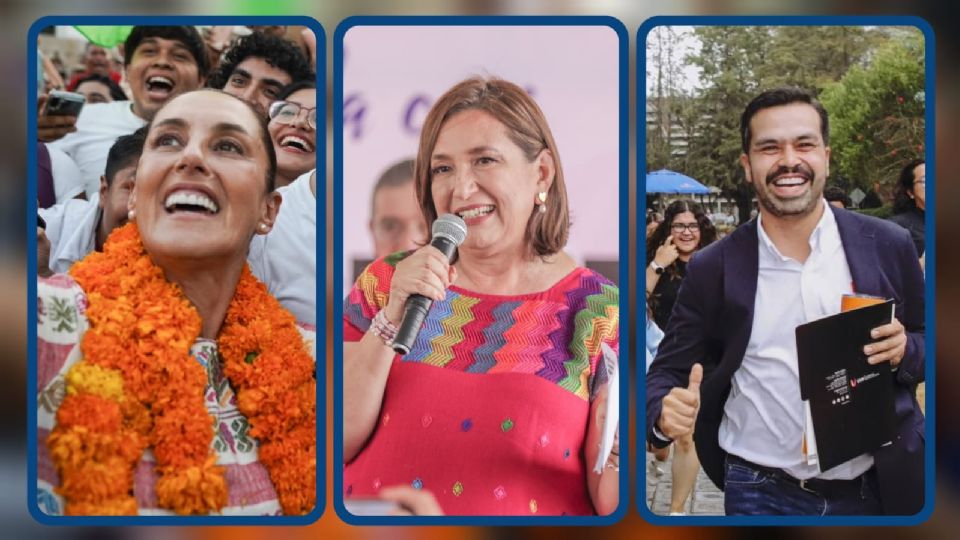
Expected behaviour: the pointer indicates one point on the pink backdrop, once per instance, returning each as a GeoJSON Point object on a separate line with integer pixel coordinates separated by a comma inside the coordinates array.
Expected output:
{"type": "Point", "coordinates": [393, 74]}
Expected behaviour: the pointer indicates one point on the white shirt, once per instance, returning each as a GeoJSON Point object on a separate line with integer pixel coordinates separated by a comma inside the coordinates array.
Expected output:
{"type": "Point", "coordinates": [285, 259]}
{"type": "Point", "coordinates": [72, 231]}
{"type": "Point", "coordinates": [67, 178]}
{"type": "Point", "coordinates": [98, 127]}
{"type": "Point", "coordinates": [764, 417]}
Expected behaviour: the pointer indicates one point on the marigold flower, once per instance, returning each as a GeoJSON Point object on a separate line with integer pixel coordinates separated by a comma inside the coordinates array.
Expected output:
{"type": "Point", "coordinates": [139, 386]}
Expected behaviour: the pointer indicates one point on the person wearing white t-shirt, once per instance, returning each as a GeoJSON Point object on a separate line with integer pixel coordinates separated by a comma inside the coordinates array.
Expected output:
{"type": "Point", "coordinates": [286, 258]}
{"type": "Point", "coordinates": [67, 178]}
{"type": "Point", "coordinates": [77, 227]}
{"type": "Point", "coordinates": [161, 62]}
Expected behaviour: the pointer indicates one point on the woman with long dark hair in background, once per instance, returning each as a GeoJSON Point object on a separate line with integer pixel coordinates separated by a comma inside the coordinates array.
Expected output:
{"type": "Point", "coordinates": [684, 230]}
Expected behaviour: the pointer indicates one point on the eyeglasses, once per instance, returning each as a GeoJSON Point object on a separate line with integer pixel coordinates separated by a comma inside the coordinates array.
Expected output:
{"type": "Point", "coordinates": [287, 112]}
{"type": "Point", "coordinates": [680, 227]}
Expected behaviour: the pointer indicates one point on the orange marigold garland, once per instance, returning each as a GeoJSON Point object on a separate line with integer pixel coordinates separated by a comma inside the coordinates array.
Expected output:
{"type": "Point", "coordinates": [274, 379]}
{"type": "Point", "coordinates": [138, 386]}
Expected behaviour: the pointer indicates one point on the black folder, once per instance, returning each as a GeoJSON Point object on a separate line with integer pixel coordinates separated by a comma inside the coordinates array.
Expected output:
{"type": "Point", "coordinates": [851, 401]}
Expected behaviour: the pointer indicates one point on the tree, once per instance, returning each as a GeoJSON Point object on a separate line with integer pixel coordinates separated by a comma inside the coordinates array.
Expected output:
{"type": "Point", "coordinates": [727, 59]}
{"type": "Point", "coordinates": [738, 62]}
{"type": "Point", "coordinates": [813, 57]}
{"type": "Point", "coordinates": [664, 71]}
{"type": "Point", "coordinates": [877, 112]}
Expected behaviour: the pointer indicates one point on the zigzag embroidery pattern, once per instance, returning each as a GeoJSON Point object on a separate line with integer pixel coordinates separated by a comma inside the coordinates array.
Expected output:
{"type": "Point", "coordinates": [555, 335]}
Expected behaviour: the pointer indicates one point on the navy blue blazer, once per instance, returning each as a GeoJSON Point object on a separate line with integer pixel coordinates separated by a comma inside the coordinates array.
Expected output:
{"type": "Point", "coordinates": [713, 317]}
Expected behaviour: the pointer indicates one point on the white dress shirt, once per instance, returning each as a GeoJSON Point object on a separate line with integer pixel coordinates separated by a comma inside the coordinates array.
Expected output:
{"type": "Point", "coordinates": [764, 417]}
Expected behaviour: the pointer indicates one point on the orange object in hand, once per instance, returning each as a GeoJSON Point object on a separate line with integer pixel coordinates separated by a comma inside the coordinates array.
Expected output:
{"type": "Point", "coordinates": [849, 302]}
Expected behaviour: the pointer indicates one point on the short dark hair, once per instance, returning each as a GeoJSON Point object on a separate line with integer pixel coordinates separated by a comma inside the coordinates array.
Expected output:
{"type": "Point", "coordinates": [294, 87]}
{"type": "Point", "coordinates": [187, 35]}
{"type": "Point", "coordinates": [125, 152]}
{"type": "Point", "coordinates": [116, 93]}
{"type": "Point", "coordinates": [398, 174]}
{"type": "Point", "coordinates": [784, 95]}
{"type": "Point", "coordinates": [834, 193]}
{"type": "Point", "coordinates": [275, 51]}
{"type": "Point", "coordinates": [902, 201]}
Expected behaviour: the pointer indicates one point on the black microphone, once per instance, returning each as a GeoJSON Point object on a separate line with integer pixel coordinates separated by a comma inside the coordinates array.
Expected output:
{"type": "Point", "coordinates": [449, 231]}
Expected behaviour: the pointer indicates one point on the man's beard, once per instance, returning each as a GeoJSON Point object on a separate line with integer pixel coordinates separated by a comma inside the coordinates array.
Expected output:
{"type": "Point", "coordinates": [797, 206]}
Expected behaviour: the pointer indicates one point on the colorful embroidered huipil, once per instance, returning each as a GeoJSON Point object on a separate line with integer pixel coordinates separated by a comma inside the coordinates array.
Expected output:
{"type": "Point", "coordinates": [489, 410]}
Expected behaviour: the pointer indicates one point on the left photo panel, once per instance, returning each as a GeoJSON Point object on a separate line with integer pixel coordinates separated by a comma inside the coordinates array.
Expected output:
{"type": "Point", "coordinates": [173, 295]}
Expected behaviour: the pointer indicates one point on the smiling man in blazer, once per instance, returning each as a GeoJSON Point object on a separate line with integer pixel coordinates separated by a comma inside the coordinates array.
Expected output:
{"type": "Point", "coordinates": [727, 367]}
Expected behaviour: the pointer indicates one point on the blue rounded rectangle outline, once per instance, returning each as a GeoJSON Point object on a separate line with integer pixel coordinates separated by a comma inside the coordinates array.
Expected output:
{"type": "Point", "coordinates": [930, 277]}
{"type": "Point", "coordinates": [320, 343]}
{"type": "Point", "coordinates": [623, 43]}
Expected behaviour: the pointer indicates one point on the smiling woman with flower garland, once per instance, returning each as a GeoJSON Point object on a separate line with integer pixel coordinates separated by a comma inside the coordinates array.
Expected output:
{"type": "Point", "coordinates": [169, 379]}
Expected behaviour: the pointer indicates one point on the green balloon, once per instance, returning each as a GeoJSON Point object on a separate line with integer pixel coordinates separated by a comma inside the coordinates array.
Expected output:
{"type": "Point", "coordinates": [105, 36]}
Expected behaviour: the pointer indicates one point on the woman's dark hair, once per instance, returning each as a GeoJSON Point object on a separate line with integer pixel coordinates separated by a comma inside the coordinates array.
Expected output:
{"type": "Point", "coordinates": [902, 201]}
{"type": "Point", "coordinates": [265, 137]}
{"type": "Point", "coordinates": [187, 35]}
{"type": "Point", "coordinates": [295, 87]}
{"type": "Point", "coordinates": [708, 233]}
{"type": "Point", "coordinates": [116, 93]}
{"type": "Point", "coordinates": [275, 51]}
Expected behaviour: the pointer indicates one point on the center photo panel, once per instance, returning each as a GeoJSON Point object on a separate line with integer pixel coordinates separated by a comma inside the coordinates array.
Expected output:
{"type": "Point", "coordinates": [480, 206]}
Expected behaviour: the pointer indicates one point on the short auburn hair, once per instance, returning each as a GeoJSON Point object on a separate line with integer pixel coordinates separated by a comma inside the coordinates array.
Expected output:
{"type": "Point", "coordinates": [547, 232]}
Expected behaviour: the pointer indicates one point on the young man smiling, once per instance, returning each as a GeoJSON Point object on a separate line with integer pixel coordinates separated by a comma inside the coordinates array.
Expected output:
{"type": "Point", "coordinates": [161, 62]}
{"type": "Point", "coordinates": [258, 66]}
{"type": "Point", "coordinates": [728, 362]}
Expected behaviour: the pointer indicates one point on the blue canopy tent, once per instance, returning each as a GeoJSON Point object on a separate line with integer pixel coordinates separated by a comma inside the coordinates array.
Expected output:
{"type": "Point", "coordinates": [665, 181]}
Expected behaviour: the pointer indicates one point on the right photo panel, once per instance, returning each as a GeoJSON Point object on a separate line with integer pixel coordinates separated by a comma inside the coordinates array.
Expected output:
{"type": "Point", "coordinates": [784, 260]}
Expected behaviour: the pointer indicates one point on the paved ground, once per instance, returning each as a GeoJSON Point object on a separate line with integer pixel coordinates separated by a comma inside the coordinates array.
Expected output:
{"type": "Point", "coordinates": [706, 499]}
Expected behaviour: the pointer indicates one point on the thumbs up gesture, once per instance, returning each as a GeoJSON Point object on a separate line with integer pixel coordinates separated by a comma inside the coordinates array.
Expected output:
{"type": "Point", "coordinates": [680, 407]}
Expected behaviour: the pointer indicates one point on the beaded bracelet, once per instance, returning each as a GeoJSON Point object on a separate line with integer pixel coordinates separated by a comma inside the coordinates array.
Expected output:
{"type": "Point", "coordinates": [383, 328]}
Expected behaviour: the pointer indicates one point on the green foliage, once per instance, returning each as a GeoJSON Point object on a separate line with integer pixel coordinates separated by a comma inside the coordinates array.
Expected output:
{"type": "Point", "coordinates": [812, 57]}
{"type": "Point", "coordinates": [728, 59]}
{"type": "Point", "coordinates": [882, 212]}
{"type": "Point", "coordinates": [858, 73]}
{"type": "Point", "coordinates": [877, 113]}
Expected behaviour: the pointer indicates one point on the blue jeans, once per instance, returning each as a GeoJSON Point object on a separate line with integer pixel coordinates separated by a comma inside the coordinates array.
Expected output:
{"type": "Point", "coordinates": [753, 490]}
